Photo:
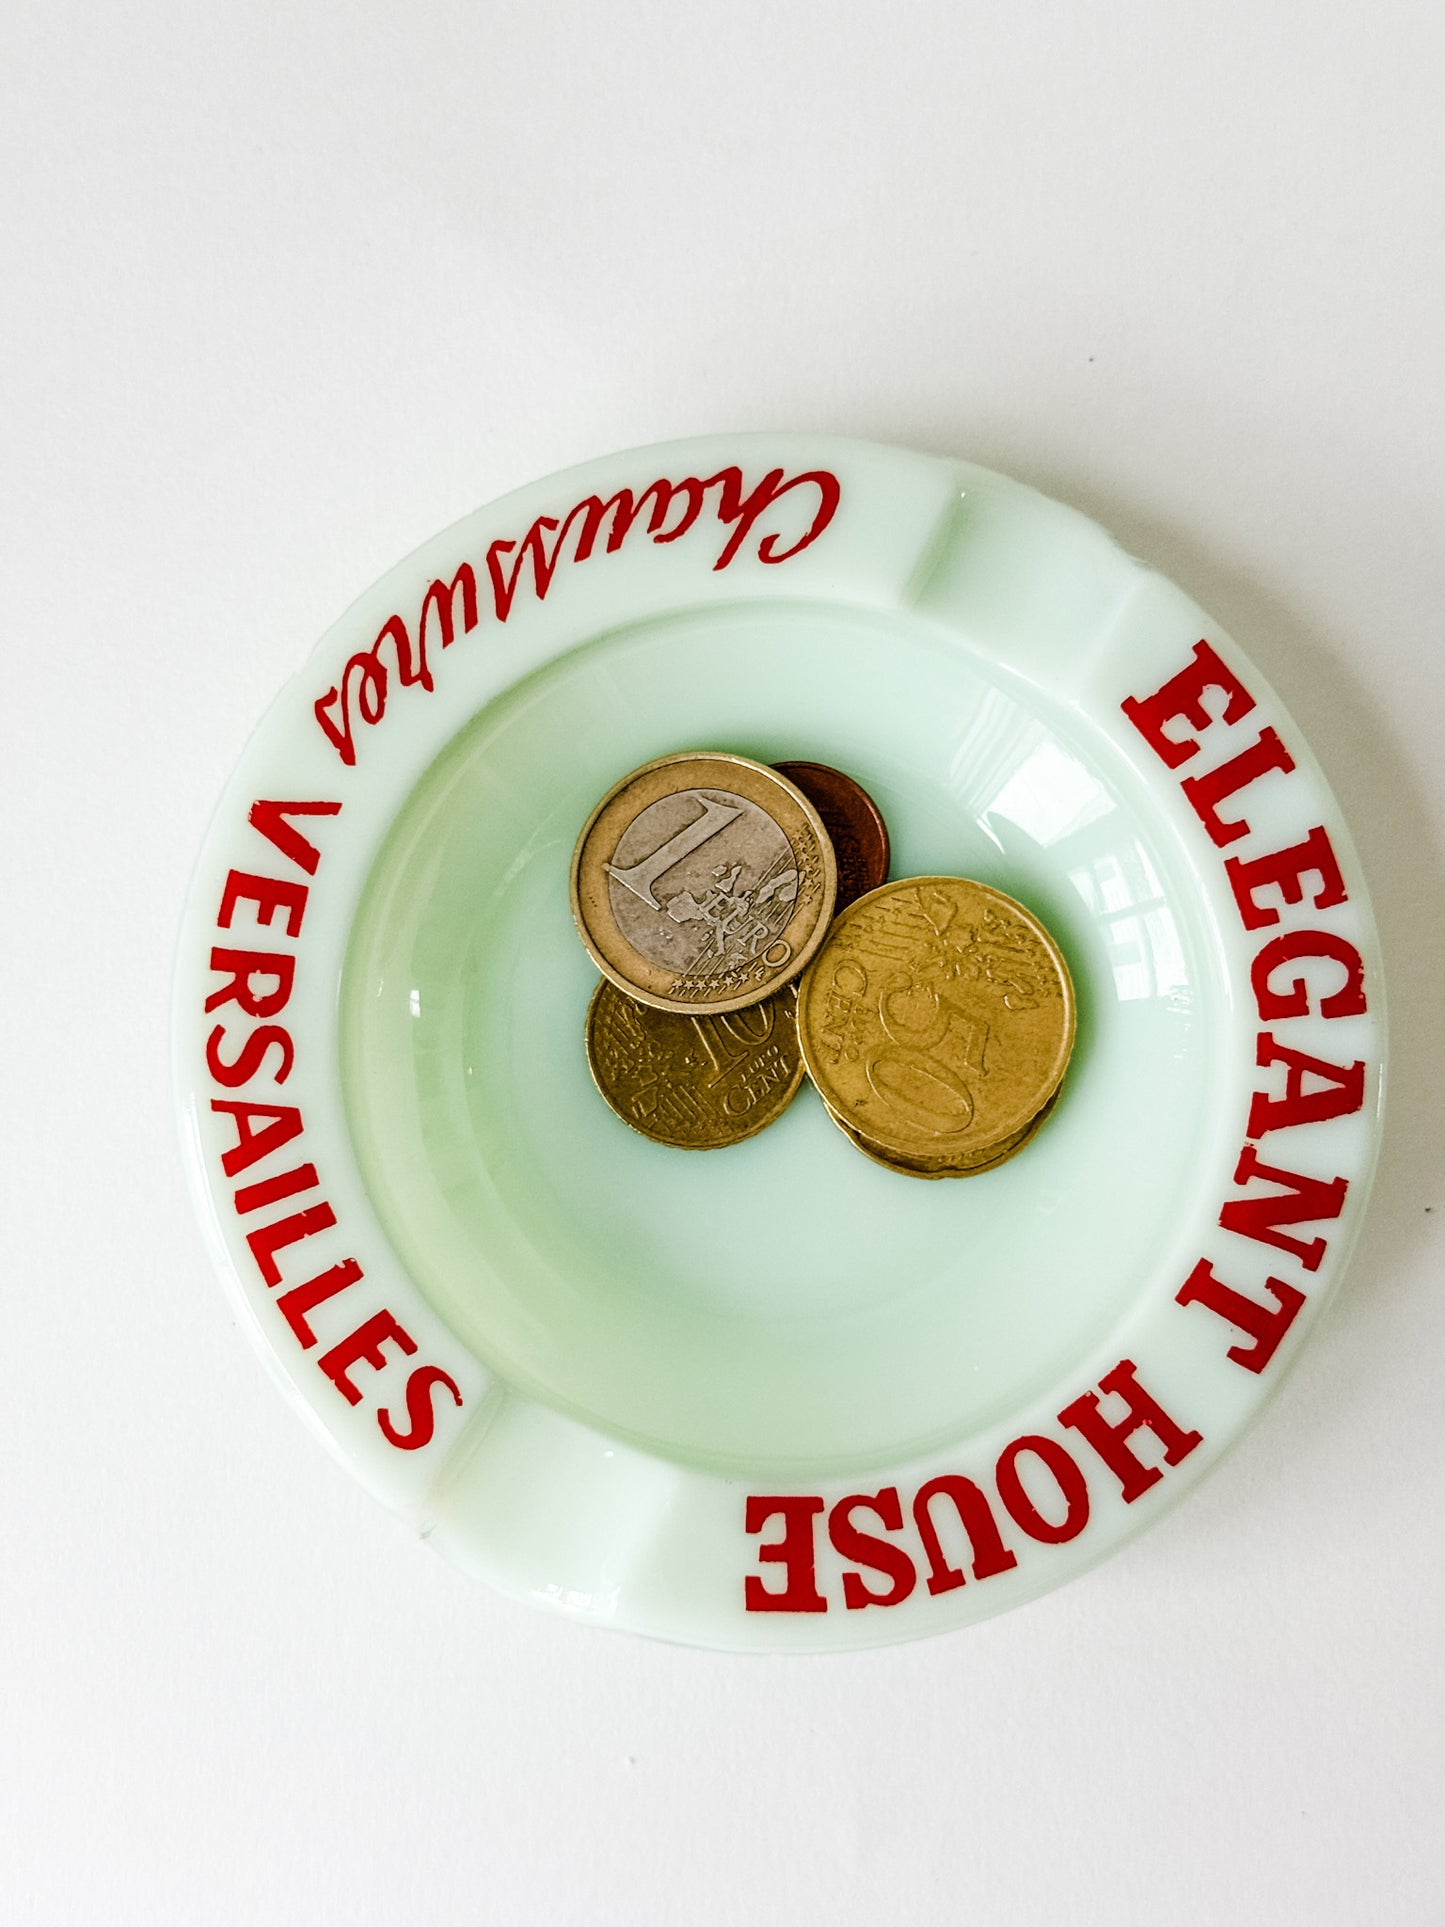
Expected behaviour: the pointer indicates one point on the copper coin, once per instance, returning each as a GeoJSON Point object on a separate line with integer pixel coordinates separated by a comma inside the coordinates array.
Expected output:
{"type": "Point", "coordinates": [853, 822]}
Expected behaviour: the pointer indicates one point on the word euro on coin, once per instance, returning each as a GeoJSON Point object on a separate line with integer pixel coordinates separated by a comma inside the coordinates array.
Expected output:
{"type": "Point", "coordinates": [697, 1082]}
{"type": "Point", "coordinates": [854, 824]}
{"type": "Point", "coordinates": [937, 1021]}
{"type": "Point", "coordinates": [703, 882]}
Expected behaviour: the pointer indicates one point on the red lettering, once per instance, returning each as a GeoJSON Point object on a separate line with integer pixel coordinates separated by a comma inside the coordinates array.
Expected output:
{"type": "Point", "coordinates": [271, 820]}
{"type": "Point", "coordinates": [243, 966]}
{"type": "Point", "coordinates": [506, 559]}
{"type": "Point", "coordinates": [241, 1069]}
{"type": "Point", "coordinates": [1109, 1437]}
{"type": "Point", "coordinates": [1182, 698]}
{"type": "Point", "coordinates": [271, 1238]}
{"type": "Point", "coordinates": [620, 510]}
{"type": "Point", "coordinates": [419, 1409]}
{"type": "Point", "coordinates": [793, 1552]}
{"type": "Point", "coordinates": [440, 601]}
{"type": "Point", "coordinates": [1286, 869]}
{"type": "Point", "coordinates": [362, 691]}
{"type": "Point", "coordinates": [1066, 1475]}
{"type": "Point", "coordinates": [268, 894]}
{"type": "Point", "coordinates": [283, 1122]}
{"type": "Point", "coordinates": [533, 548]}
{"type": "Point", "coordinates": [1265, 1324]}
{"type": "Point", "coordinates": [411, 668]}
{"type": "Point", "coordinates": [1206, 793]}
{"type": "Point", "coordinates": [1341, 1092]}
{"type": "Point", "coordinates": [1289, 947]}
{"type": "Point", "coordinates": [986, 1547]}
{"type": "Point", "coordinates": [745, 510]}
{"type": "Point", "coordinates": [866, 1549]}
{"type": "Point", "coordinates": [367, 672]}
{"type": "Point", "coordinates": [286, 1184]}
{"type": "Point", "coordinates": [691, 489]}
{"type": "Point", "coordinates": [297, 1304]}
{"type": "Point", "coordinates": [1301, 1202]}
{"type": "Point", "coordinates": [624, 511]}
{"type": "Point", "coordinates": [363, 1347]}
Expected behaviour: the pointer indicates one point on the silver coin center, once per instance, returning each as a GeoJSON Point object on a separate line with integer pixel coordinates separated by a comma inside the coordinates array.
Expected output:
{"type": "Point", "coordinates": [702, 880]}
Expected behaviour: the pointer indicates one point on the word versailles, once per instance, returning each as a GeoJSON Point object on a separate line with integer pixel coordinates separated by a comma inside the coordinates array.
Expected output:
{"type": "Point", "coordinates": [746, 931]}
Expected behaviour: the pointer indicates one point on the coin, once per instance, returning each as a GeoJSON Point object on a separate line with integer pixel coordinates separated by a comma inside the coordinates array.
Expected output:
{"type": "Point", "coordinates": [965, 1168]}
{"type": "Point", "coordinates": [703, 882]}
{"type": "Point", "coordinates": [937, 1019]}
{"type": "Point", "coordinates": [699, 1082]}
{"type": "Point", "coordinates": [854, 824]}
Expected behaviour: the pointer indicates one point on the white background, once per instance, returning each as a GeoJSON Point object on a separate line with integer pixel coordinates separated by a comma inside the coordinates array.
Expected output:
{"type": "Point", "coordinates": [285, 290]}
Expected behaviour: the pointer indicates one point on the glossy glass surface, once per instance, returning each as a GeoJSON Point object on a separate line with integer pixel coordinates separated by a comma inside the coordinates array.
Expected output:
{"type": "Point", "coordinates": [785, 1304]}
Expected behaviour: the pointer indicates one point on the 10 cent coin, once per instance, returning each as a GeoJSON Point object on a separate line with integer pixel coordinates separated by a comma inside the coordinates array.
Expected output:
{"type": "Point", "coordinates": [699, 1082]}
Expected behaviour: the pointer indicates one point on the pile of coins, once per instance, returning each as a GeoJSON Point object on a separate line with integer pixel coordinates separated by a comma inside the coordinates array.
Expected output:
{"type": "Point", "coordinates": [746, 931]}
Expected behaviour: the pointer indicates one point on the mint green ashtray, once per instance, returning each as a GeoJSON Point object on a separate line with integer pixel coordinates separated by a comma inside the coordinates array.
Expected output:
{"type": "Point", "coordinates": [774, 1397]}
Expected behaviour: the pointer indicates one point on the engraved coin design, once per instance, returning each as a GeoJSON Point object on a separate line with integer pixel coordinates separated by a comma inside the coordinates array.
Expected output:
{"type": "Point", "coordinates": [964, 1167]}
{"type": "Point", "coordinates": [703, 882]}
{"type": "Point", "coordinates": [937, 1020]}
{"type": "Point", "coordinates": [699, 1082]}
{"type": "Point", "coordinates": [854, 824]}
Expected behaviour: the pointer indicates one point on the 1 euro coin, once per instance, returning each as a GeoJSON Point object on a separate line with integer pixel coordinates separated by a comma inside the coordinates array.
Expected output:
{"type": "Point", "coordinates": [703, 882]}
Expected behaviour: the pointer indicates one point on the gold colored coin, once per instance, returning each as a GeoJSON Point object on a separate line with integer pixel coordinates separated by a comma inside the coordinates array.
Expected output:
{"type": "Point", "coordinates": [703, 882]}
{"type": "Point", "coordinates": [919, 1168]}
{"type": "Point", "coordinates": [937, 1020]}
{"type": "Point", "coordinates": [958, 1163]}
{"type": "Point", "coordinates": [698, 1082]}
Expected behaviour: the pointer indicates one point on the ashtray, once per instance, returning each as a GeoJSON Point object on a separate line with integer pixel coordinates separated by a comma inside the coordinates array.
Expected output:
{"type": "Point", "coordinates": [773, 1397]}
